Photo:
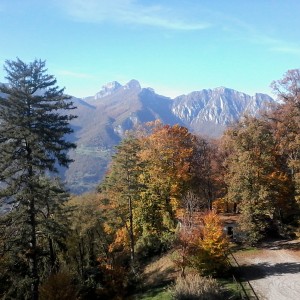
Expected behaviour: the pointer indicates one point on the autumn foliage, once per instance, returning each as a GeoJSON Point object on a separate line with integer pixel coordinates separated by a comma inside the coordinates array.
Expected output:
{"type": "Point", "coordinates": [164, 190]}
{"type": "Point", "coordinates": [202, 246]}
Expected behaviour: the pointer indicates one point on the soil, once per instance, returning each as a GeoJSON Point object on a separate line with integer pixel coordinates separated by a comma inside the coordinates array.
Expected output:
{"type": "Point", "coordinates": [273, 270]}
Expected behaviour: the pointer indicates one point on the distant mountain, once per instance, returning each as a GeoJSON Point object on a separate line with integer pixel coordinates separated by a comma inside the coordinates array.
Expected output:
{"type": "Point", "coordinates": [108, 89]}
{"type": "Point", "coordinates": [104, 118]}
{"type": "Point", "coordinates": [208, 112]}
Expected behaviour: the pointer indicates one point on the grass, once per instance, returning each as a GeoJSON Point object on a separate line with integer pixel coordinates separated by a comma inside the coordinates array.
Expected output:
{"type": "Point", "coordinates": [248, 250]}
{"type": "Point", "coordinates": [232, 289]}
{"type": "Point", "coordinates": [160, 293]}
{"type": "Point", "coordinates": [161, 271]}
{"type": "Point", "coordinates": [157, 294]}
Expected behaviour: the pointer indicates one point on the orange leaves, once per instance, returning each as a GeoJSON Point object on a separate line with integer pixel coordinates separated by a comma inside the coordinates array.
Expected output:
{"type": "Point", "coordinates": [202, 245]}
{"type": "Point", "coordinates": [170, 149]}
{"type": "Point", "coordinates": [168, 154]}
{"type": "Point", "coordinates": [149, 175]}
{"type": "Point", "coordinates": [220, 205]}
{"type": "Point", "coordinates": [121, 240]}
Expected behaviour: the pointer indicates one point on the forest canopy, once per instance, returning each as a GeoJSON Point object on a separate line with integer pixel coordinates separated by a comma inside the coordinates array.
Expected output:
{"type": "Point", "coordinates": [165, 188]}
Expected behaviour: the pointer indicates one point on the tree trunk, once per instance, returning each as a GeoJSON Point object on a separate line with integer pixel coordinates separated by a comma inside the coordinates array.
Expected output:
{"type": "Point", "coordinates": [33, 253]}
{"type": "Point", "coordinates": [131, 235]}
{"type": "Point", "coordinates": [52, 256]}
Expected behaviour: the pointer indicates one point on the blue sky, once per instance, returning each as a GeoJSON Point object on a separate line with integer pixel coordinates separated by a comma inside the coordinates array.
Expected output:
{"type": "Point", "coordinates": [172, 46]}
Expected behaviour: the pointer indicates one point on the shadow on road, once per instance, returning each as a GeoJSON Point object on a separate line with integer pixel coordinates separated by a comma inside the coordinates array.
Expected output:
{"type": "Point", "coordinates": [261, 270]}
{"type": "Point", "coordinates": [293, 245]}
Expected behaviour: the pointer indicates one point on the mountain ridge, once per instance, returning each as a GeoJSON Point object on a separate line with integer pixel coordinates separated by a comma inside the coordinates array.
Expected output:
{"type": "Point", "coordinates": [104, 118]}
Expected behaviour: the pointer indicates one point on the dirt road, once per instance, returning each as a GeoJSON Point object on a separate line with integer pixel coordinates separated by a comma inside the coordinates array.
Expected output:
{"type": "Point", "coordinates": [273, 270]}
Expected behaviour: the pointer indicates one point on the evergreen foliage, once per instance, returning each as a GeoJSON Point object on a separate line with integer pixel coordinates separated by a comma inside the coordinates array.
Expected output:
{"type": "Point", "coordinates": [32, 144]}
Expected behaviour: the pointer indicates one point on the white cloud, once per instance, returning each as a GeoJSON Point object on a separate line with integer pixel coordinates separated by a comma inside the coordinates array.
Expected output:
{"type": "Point", "coordinates": [128, 12]}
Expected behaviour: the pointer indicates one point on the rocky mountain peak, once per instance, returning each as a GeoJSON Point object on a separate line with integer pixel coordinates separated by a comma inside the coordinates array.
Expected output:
{"type": "Point", "coordinates": [101, 124]}
{"type": "Point", "coordinates": [219, 106]}
{"type": "Point", "coordinates": [108, 89]}
{"type": "Point", "coordinates": [221, 89]}
{"type": "Point", "coordinates": [133, 84]}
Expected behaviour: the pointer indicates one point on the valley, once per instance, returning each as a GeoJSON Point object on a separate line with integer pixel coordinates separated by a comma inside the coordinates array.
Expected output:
{"type": "Point", "coordinates": [104, 118]}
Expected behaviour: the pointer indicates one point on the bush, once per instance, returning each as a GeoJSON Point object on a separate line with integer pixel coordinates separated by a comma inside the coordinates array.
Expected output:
{"type": "Point", "coordinates": [196, 287]}
{"type": "Point", "coordinates": [151, 245]}
{"type": "Point", "coordinates": [58, 286]}
{"type": "Point", "coordinates": [203, 247]}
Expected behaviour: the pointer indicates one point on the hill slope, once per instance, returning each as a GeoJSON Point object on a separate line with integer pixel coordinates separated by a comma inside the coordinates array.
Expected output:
{"type": "Point", "coordinates": [104, 118]}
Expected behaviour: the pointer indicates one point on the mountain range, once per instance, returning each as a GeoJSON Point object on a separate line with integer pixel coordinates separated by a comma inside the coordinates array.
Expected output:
{"type": "Point", "coordinates": [104, 118]}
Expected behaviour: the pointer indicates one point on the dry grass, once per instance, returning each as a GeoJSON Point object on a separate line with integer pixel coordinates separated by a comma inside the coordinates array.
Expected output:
{"type": "Point", "coordinates": [161, 271]}
{"type": "Point", "coordinates": [196, 287]}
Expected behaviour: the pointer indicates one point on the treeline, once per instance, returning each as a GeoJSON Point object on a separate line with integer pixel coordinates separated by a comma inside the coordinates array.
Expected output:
{"type": "Point", "coordinates": [93, 246]}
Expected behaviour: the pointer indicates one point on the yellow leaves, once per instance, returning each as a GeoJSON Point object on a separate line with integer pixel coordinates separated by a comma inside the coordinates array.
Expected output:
{"type": "Point", "coordinates": [121, 240]}
{"type": "Point", "coordinates": [220, 205]}
{"type": "Point", "coordinates": [203, 245]}
{"type": "Point", "coordinates": [108, 229]}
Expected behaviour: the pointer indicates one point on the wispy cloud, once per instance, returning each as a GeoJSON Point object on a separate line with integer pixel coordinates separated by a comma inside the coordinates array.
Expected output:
{"type": "Point", "coordinates": [275, 44]}
{"type": "Point", "coordinates": [129, 12]}
{"type": "Point", "coordinates": [250, 33]}
{"type": "Point", "coordinates": [287, 49]}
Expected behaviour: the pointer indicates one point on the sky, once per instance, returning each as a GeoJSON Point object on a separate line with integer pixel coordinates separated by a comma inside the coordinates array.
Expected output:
{"type": "Point", "coordinates": [172, 46]}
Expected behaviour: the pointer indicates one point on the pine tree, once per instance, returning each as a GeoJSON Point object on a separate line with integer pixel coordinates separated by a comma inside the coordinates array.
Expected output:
{"type": "Point", "coordinates": [32, 144]}
{"type": "Point", "coordinates": [122, 187]}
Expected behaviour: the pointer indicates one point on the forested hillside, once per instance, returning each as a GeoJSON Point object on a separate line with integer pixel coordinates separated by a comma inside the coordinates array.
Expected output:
{"type": "Point", "coordinates": [165, 190]}
{"type": "Point", "coordinates": [104, 119]}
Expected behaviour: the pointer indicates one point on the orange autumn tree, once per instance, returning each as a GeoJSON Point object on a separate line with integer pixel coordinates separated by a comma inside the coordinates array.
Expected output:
{"type": "Point", "coordinates": [286, 123]}
{"type": "Point", "coordinates": [257, 178]}
{"type": "Point", "coordinates": [214, 242]}
{"type": "Point", "coordinates": [211, 248]}
{"type": "Point", "coordinates": [148, 178]}
{"type": "Point", "coordinates": [167, 156]}
{"type": "Point", "coordinates": [203, 246]}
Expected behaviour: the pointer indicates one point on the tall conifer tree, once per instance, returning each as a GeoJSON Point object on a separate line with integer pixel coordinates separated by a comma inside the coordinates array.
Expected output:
{"type": "Point", "coordinates": [32, 143]}
{"type": "Point", "coordinates": [122, 186]}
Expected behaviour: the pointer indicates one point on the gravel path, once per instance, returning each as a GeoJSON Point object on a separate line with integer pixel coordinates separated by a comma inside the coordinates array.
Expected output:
{"type": "Point", "coordinates": [274, 270]}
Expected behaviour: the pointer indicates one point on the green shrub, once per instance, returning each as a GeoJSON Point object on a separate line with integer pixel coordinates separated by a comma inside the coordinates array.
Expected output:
{"type": "Point", "coordinates": [151, 245]}
{"type": "Point", "coordinates": [196, 287]}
